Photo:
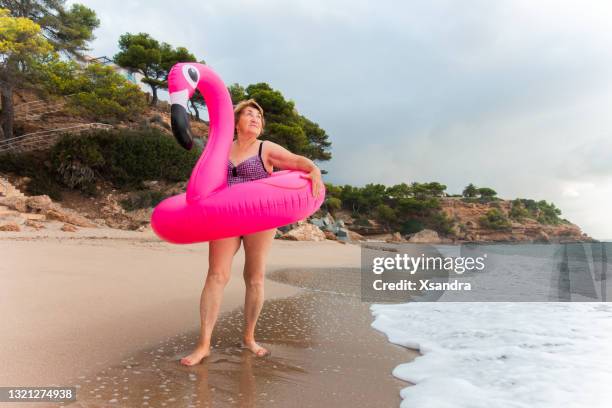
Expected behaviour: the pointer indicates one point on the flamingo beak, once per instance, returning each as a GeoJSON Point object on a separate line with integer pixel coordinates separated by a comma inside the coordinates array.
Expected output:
{"type": "Point", "coordinates": [180, 126]}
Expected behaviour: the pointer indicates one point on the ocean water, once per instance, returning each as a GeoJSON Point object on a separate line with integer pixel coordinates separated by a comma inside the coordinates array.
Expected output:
{"type": "Point", "coordinates": [502, 354]}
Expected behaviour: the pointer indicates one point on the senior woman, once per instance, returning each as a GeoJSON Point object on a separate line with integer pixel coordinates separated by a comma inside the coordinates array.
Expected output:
{"type": "Point", "coordinates": [250, 159]}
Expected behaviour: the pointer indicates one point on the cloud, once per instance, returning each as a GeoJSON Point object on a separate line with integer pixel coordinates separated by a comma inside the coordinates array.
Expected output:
{"type": "Point", "coordinates": [509, 94]}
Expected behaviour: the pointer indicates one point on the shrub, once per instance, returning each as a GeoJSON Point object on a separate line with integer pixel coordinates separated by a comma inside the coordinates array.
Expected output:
{"type": "Point", "coordinates": [494, 219]}
{"type": "Point", "coordinates": [411, 226]}
{"type": "Point", "coordinates": [32, 165]}
{"type": "Point", "coordinates": [441, 223]}
{"type": "Point", "coordinates": [124, 157]}
{"type": "Point", "coordinates": [333, 204]}
{"type": "Point", "coordinates": [385, 214]}
{"type": "Point", "coordinates": [97, 91]}
{"type": "Point", "coordinates": [518, 211]}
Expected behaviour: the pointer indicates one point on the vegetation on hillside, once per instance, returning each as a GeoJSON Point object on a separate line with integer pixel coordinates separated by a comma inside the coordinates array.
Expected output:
{"type": "Point", "coordinates": [410, 208]}
{"type": "Point", "coordinates": [33, 32]}
{"type": "Point", "coordinates": [124, 158]}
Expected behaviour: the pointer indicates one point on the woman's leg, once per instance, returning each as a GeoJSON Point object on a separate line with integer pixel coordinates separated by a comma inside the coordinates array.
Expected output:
{"type": "Point", "coordinates": [256, 248]}
{"type": "Point", "coordinates": [220, 255]}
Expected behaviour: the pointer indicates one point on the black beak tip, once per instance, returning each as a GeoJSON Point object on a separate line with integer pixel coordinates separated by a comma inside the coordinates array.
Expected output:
{"type": "Point", "coordinates": [180, 126]}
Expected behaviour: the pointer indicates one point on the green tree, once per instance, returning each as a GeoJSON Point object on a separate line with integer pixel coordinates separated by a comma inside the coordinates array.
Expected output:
{"type": "Point", "coordinates": [197, 102]}
{"type": "Point", "coordinates": [426, 190]}
{"type": "Point", "coordinates": [518, 211]}
{"type": "Point", "coordinates": [385, 214]}
{"type": "Point", "coordinates": [332, 190]}
{"type": "Point", "coordinates": [284, 125]}
{"type": "Point", "coordinates": [66, 30]}
{"type": "Point", "coordinates": [436, 189]}
{"type": "Point", "coordinates": [398, 191]}
{"type": "Point", "coordinates": [22, 45]}
{"type": "Point", "coordinates": [470, 191]}
{"type": "Point", "coordinates": [411, 226]}
{"type": "Point", "coordinates": [97, 90]}
{"type": "Point", "coordinates": [332, 204]}
{"type": "Point", "coordinates": [548, 213]}
{"type": "Point", "coordinates": [373, 195]}
{"type": "Point", "coordinates": [486, 192]}
{"type": "Point", "coordinates": [144, 54]}
{"type": "Point", "coordinates": [237, 93]}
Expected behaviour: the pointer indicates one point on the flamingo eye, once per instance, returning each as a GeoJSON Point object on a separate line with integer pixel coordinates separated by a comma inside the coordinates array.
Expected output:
{"type": "Point", "coordinates": [191, 75]}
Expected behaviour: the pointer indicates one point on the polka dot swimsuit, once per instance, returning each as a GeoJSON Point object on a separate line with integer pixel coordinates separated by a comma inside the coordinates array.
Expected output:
{"type": "Point", "coordinates": [248, 170]}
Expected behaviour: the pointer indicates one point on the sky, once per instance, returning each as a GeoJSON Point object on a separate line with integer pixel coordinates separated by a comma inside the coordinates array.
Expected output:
{"type": "Point", "coordinates": [513, 95]}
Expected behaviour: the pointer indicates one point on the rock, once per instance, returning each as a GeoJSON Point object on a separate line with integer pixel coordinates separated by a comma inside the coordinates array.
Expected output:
{"type": "Point", "coordinates": [342, 233]}
{"type": "Point", "coordinates": [144, 227]}
{"type": "Point", "coordinates": [542, 237]}
{"type": "Point", "coordinates": [69, 228]}
{"type": "Point", "coordinates": [39, 203]}
{"type": "Point", "coordinates": [328, 220]}
{"type": "Point", "coordinates": [6, 212]}
{"type": "Point", "coordinates": [425, 236]}
{"type": "Point", "coordinates": [326, 223]}
{"type": "Point", "coordinates": [34, 224]}
{"type": "Point", "coordinates": [10, 226]}
{"type": "Point", "coordinates": [344, 216]}
{"type": "Point", "coordinates": [100, 221]}
{"type": "Point", "coordinates": [37, 217]}
{"type": "Point", "coordinates": [287, 228]}
{"type": "Point", "coordinates": [354, 236]}
{"type": "Point", "coordinates": [330, 235]}
{"type": "Point", "coordinates": [305, 232]}
{"type": "Point", "coordinates": [16, 203]}
{"type": "Point", "coordinates": [395, 237]}
{"type": "Point", "coordinates": [63, 215]}
{"type": "Point", "coordinates": [317, 222]}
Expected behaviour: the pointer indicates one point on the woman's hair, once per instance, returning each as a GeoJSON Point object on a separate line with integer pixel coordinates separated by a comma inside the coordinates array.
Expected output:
{"type": "Point", "coordinates": [242, 105]}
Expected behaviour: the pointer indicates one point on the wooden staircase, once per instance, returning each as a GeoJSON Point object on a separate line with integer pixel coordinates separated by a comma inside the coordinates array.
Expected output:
{"type": "Point", "coordinates": [35, 109]}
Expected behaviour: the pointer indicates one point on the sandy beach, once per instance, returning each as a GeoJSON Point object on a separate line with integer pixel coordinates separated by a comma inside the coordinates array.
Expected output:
{"type": "Point", "coordinates": [111, 312]}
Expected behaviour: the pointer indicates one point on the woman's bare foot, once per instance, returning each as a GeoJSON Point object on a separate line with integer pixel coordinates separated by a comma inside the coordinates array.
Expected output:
{"type": "Point", "coordinates": [255, 348]}
{"type": "Point", "coordinates": [196, 356]}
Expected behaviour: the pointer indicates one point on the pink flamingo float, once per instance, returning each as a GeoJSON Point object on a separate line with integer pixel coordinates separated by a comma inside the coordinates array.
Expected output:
{"type": "Point", "coordinates": [209, 209]}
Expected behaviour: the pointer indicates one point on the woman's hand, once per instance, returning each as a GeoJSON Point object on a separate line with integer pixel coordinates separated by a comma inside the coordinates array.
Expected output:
{"type": "Point", "coordinates": [315, 178]}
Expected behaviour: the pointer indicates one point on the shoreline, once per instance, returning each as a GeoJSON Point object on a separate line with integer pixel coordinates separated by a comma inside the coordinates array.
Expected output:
{"type": "Point", "coordinates": [324, 353]}
{"type": "Point", "coordinates": [86, 307]}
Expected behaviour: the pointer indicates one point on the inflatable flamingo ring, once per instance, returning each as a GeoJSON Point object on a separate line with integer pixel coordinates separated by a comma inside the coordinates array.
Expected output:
{"type": "Point", "coordinates": [209, 209]}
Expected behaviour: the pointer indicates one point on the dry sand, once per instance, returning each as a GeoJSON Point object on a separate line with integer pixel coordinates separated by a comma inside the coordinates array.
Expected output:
{"type": "Point", "coordinates": [112, 312]}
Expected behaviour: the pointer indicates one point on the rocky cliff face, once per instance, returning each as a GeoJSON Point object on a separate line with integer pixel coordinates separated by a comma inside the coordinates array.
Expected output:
{"type": "Point", "coordinates": [468, 227]}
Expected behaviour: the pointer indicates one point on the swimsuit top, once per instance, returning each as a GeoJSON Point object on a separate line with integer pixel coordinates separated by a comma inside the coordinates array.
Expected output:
{"type": "Point", "coordinates": [248, 170]}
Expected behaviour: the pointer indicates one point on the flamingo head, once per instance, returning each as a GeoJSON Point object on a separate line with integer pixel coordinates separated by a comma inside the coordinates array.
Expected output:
{"type": "Point", "coordinates": [182, 82]}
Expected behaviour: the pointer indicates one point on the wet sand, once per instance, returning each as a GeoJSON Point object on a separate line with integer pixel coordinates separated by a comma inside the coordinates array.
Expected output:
{"type": "Point", "coordinates": [124, 348]}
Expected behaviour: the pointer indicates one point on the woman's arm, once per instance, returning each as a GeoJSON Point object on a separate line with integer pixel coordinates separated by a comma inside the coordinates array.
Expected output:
{"type": "Point", "coordinates": [282, 158]}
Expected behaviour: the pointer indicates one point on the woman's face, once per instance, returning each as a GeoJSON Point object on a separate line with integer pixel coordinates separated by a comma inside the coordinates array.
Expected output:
{"type": "Point", "coordinates": [249, 121]}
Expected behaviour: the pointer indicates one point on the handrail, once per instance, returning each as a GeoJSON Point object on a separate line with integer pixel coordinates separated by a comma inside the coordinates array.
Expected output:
{"type": "Point", "coordinates": [30, 138]}
{"type": "Point", "coordinates": [41, 101]}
